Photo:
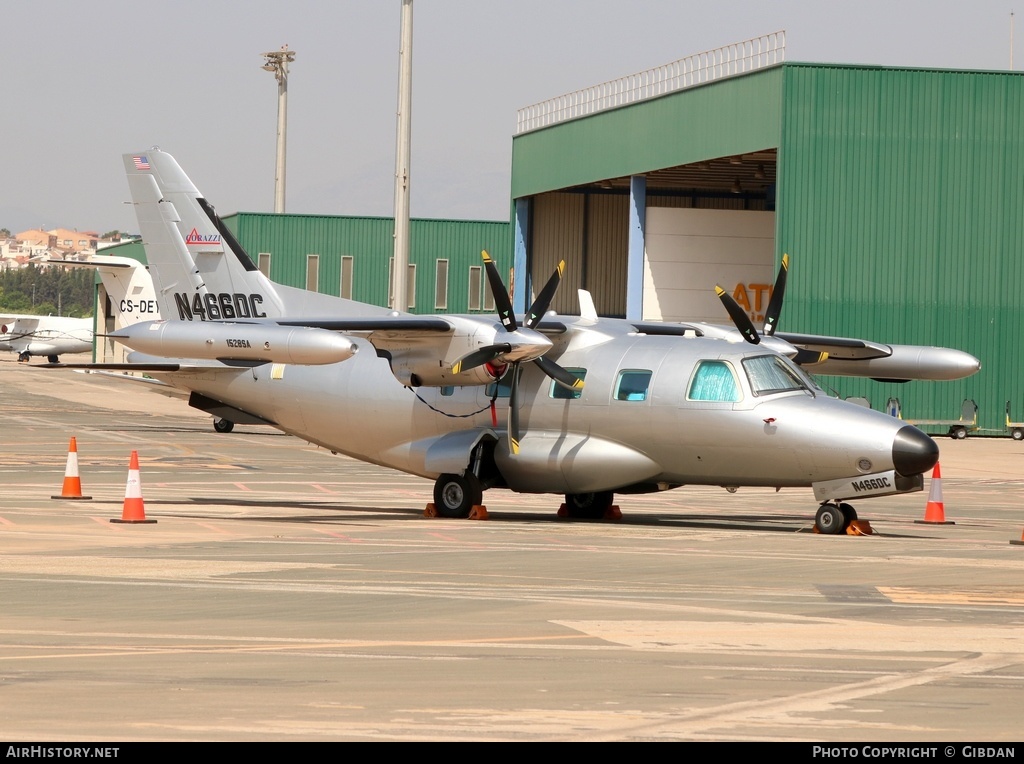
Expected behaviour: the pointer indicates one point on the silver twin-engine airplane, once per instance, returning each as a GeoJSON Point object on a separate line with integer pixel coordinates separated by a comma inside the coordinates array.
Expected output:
{"type": "Point", "coordinates": [581, 406]}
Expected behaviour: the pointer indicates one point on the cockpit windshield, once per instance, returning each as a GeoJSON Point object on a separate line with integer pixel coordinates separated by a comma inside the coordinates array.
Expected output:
{"type": "Point", "coordinates": [769, 374]}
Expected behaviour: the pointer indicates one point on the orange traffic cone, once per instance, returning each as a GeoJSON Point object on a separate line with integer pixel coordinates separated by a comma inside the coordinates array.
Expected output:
{"type": "Point", "coordinates": [134, 510]}
{"type": "Point", "coordinates": [72, 482]}
{"type": "Point", "coordinates": [935, 512]}
{"type": "Point", "coordinates": [1018, 543]}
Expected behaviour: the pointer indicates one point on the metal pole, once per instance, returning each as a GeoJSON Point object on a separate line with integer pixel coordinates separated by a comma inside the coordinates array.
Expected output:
{"type": "Point", "coordinates": [277, 62]}
{"type": "Point", "coordinates": [399, 271]}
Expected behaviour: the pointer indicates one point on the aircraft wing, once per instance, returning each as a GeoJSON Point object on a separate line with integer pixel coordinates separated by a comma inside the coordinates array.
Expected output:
{"type": "Point", "coordinates": [22, 327]}
{"type": "Point", "coordinates": [421, 350]}
{"type": "Point", "coordinates": [852, 357]}
{"type": "Point", "coordinates": [143, 363]}
{"type": "Point", "coordinates": [97, 261]}
{"type": "Point", "coordinates": [155, 385]}
{"type": "Point", "coordinates": [394, 325]}
{"type": "Point", "coordinates": [196, 400]}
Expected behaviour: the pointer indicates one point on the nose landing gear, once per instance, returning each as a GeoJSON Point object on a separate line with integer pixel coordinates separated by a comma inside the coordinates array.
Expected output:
{"type": "Point", "coordinates": [833, 519]}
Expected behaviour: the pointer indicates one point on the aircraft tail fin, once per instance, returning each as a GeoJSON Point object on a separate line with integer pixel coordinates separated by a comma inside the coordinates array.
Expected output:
{"type": "Point", "coordinates": [197, 275]}
{"type": "Point", "coordinates": [128, 287]}
{"type": "Point", "coordinates": [199, 269]}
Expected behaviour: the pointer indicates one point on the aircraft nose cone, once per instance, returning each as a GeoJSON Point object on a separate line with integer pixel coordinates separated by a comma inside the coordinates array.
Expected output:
{"type": "Point", "coordinates": [913, 452]}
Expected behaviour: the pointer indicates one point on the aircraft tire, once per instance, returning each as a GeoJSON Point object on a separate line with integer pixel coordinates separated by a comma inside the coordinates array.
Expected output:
{"type": "Point", "coordinates": [223, 425]}
{"type": "Point", "coordinates": [830, 520]}
{"type": "Point", "coordinates": [849, 515]}
{"type": "Point", "coordinates": [456, 495]}
{"type": "Point", "coordinates": [53, 359]}
{"type": "Point", "coordinates": [588, 506]}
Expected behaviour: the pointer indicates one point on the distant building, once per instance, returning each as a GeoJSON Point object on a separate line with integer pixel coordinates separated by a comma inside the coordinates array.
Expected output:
{"type": "Point", "coordinates": [58, 243]}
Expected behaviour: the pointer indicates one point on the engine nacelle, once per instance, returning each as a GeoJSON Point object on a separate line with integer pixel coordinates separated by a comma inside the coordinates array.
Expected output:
{"type": "Point", "coordinates": [417, 369]}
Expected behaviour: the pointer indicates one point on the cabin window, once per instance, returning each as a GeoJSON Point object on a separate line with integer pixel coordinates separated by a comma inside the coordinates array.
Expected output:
{"type": "Point", "coordinates": [632, 385]}
{"type": "Point", "coordinates": [557, 391]}
{"type": "Point", "coordinates": [447, 390]}
{"type": "Point", "coordinates": [503, 387]}
{"type": "Point", "coordinates": [771, 374]}
{"type": "Point", "coordinates": [713, 381]}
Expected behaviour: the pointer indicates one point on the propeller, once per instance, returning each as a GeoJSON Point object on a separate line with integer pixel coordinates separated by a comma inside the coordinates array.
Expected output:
{"type": "Point", "coordinates": [771, 318]}
{"type": "Point", "coordinates": [524, 336]}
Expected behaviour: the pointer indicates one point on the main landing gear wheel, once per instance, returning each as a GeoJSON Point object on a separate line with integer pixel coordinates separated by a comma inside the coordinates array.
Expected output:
{"type": "Point", "coordinates": [223, 425]}
{"type": "Point", "coordinates": [831, 519]}
{"type": "Point", "coordinates": [849, 515]}
{"type": "Point", "coordinates": [588, 506]}
{"type": "Point", "coordinates": [456, 495]}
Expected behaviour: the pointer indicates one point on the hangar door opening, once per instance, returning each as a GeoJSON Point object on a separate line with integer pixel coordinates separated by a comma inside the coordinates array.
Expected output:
{"type": "Point", "coordinates": [688, 251]}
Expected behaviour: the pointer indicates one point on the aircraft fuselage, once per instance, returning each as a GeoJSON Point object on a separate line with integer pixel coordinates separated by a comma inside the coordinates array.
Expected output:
{"type": "Point", "coordinates": [670, 434]}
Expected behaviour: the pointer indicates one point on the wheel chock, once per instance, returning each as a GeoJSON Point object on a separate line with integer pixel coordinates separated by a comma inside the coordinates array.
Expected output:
{"type": "Point", "coordinates": [612, 513]}
{"type": "Point", "coordinates": [476, 512]}
{"type": "Point", "coordinates": [855, 528]}
{"type": "Point", "coordinates": [859, 528]}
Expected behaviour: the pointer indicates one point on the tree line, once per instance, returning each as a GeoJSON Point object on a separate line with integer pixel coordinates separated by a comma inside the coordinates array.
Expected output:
{"type": "Point", "coordinates": [47, 291]}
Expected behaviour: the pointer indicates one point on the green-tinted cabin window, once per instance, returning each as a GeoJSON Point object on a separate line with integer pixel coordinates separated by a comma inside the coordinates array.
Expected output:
{"type": "Point", "coordinates": [632, 385]}
{"type": "Point", "coordinates": [713, 381]}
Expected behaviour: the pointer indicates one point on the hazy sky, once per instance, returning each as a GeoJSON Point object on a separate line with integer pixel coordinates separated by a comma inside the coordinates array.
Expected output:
{"type": "Point", "coordinates": [84, 82]}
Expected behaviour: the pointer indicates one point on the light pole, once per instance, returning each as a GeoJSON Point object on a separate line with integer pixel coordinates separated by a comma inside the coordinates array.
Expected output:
{"type": "Point", "coordinates": [277, 62]}
{"type": "Point", "coordinates": [403, 152]}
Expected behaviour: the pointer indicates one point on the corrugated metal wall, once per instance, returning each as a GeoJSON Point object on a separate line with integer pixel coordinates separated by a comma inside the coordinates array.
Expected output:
{"type": "Point", "coordinates": [370, 243]}
{"type": "Point", "coordinates": [900, 203]}
{"type": "Point", "coordinates": [556, 233]}
{"type": "Point", "coordinates": [590, 232]}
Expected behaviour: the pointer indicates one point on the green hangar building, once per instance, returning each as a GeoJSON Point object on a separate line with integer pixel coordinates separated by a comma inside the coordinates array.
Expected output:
{"type": "Point", "coordinates": [897, 193]}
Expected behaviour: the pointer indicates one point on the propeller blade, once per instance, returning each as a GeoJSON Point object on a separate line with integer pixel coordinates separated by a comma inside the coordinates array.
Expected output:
{"type": "Point", "coordinates": [565, 378]}
{"type": "Point", "coordinates": [479, 357]}
{"type": "Point", "coordinates": [513, 412]}
{"type": "Point", "coordinates": [806, 357]}
{"type": "Point", "coordinates": [502, 302]}
{"type": "Point", "coordinates": [540, 305]}
{"type": "Point", "coordinates": [771, 316]}
{"type": "Point", "coordinates": [739, 316]}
